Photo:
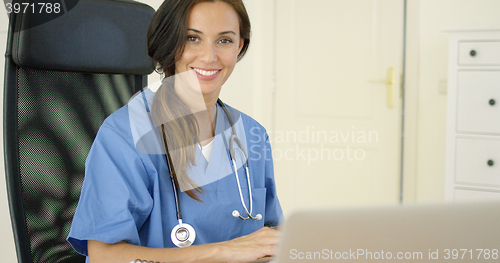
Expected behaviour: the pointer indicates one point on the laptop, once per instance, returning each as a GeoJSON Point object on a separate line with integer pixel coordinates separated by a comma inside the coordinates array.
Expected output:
{"type": "Point", "coordinates": [466, 232]}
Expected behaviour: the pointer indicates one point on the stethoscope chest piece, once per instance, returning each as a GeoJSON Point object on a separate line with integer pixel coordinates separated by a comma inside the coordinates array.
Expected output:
{"type": "Point", "coordinates": [183, 235]}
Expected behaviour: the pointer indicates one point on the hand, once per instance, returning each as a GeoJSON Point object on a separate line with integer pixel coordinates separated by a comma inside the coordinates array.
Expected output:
{"type": "Point", "coordinates": [247, 248]}
{"type": "Point", "coordinates": [260, 243]}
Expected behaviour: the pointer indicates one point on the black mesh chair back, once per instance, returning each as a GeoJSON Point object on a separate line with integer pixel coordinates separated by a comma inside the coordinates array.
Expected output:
{"type": "Point", "coordinates": [65, 73]}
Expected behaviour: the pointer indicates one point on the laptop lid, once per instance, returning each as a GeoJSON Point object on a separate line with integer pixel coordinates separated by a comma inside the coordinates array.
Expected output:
{"type": "Point", "coordinates": [425, 233]}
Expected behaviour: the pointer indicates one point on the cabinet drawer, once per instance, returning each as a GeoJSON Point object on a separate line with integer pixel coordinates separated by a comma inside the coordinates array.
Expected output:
{"type": "Point", "coordinates": [478, 101]}
{"type": "Point", "coordinates": [478, 162]}
{"type": "Point", "coordinates": [475, 195]}
{"type": "Point", "coordinates": [479, 53]}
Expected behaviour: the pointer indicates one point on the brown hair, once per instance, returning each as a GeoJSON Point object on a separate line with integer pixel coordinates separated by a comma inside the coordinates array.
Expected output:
{"type": "Point", "coordinates": [167, 33]}
{"type": "Point", "coordinates": [167, 36]}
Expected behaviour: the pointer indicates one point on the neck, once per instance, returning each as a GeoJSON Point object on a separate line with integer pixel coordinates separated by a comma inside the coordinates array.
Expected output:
{"type": "Point", "coordinates": [189, 91]}
{"type": "Point", "coordinates": [203, 106]}
{"type": "Point", "coordinates": [206, 122]}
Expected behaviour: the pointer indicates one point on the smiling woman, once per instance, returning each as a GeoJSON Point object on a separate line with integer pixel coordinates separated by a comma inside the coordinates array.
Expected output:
{"type": "Point", "coordinates": [130, 206]}
{"type": "Point", "coordinates": [213, 45]}
{"type": "Point", "coordinates": [165, 39]}
{"type": "Point", "coordinates": [209, 36]}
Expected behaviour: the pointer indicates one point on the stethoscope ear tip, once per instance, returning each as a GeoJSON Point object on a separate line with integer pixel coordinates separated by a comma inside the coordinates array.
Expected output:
{"type": "Point", "coordinates": [236, 213]}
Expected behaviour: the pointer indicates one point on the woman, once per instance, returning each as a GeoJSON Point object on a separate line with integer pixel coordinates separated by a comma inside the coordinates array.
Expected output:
{"type": "Point", "coordinates": [127, 208]}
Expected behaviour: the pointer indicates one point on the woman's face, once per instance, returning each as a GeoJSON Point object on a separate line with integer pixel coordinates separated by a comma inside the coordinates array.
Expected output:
{"type": "Point", "coordinates": [212, 46]}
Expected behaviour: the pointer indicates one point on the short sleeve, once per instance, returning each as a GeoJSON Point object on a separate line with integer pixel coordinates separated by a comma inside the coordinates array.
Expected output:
{"type": "Point", "coordinates": [274, 214]}
{"type": "Point", "coordinates": [115, 200]}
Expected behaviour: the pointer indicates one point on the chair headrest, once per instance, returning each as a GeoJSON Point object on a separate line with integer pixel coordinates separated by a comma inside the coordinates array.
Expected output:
{"type": "Point", "coordinates": [95, 36]}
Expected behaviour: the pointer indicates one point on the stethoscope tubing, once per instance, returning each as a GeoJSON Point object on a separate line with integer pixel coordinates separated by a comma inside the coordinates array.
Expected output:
{"type": "Point", "coordinates": [172, 173]}
{"type": "Point", "coordinates": [233, 139]}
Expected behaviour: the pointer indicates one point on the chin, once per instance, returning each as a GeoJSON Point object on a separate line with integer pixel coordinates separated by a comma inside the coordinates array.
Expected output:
{"type": "Point", "coordinates": [207, 88]}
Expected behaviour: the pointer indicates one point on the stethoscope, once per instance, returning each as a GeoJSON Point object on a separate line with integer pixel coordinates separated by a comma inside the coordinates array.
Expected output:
{"type": "Point", "coordinates": [183, 235]}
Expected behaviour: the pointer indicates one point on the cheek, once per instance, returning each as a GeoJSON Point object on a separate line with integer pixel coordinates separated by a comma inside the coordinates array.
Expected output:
{"type": "Point", "coordinates": [187, 57]}
{"type": "Point", "coordinates": [229, 59]}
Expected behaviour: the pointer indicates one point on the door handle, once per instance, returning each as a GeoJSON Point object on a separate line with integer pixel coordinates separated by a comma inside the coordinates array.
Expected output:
{"type": "Point", "coordinates": [390, 84]}
{"type": "Point", "coordinates": [391, 87]}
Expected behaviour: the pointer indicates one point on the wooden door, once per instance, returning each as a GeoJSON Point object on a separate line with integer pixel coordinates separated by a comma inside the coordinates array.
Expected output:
{"type": "Point", "coordinates": [337, 122]}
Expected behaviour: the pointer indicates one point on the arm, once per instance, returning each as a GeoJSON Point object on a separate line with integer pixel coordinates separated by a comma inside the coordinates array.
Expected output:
{"type": "Point", "coordinates": [247, 248]}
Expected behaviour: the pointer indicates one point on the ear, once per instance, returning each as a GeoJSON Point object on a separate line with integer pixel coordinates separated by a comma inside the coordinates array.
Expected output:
{"type": "Point", "coordinates": [242, 40]}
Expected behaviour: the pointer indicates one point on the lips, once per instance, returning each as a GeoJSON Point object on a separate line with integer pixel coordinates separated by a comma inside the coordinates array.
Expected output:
{"type": "Point", "coordinates": [206, 73]}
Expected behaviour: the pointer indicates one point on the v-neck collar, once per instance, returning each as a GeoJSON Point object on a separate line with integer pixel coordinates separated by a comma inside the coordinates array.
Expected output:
{"type": "Point", "coordinates": [205, 173]}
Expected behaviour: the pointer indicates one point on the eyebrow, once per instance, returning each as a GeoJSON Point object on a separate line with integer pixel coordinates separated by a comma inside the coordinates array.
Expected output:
{"type": "Point", "coordinates": [221, 33]}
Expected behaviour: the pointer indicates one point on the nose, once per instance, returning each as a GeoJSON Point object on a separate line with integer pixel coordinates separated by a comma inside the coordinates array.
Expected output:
{"type": "Point", "coordinates": [208, 54]}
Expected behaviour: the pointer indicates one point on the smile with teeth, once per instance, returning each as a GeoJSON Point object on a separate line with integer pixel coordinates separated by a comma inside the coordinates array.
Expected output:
{"type": "Point", "coordinates": [205, 73]}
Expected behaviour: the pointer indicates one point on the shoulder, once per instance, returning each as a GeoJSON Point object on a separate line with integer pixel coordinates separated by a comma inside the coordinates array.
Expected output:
{"type": "Point", "coordinates": [132, 121]}
{"type": "Point", "coordinates": [117, 122]}
{"type": "Point", "coordinates": [116, 149]}
{"type": "Point", "coordinates": [250, 123]}
{"type": "Point", "coordinates": [114, 136]}
{"type": "Point", "coordinates": [252, 132]}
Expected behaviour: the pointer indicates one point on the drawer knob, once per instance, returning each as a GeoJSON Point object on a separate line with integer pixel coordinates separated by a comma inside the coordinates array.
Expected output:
{"type": "Point", "coordinates": [490, 163]}
{"type": "Point", "coordinates": [473, 53]}
{"type": "Point", "coordinates": [492, 102]}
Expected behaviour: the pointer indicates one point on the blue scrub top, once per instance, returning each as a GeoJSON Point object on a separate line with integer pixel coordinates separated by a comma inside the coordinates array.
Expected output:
{"type": "Point", "coordinates": [127, 193]}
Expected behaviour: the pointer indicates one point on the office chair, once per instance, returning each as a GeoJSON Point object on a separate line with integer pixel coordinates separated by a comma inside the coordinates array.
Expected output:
{"type": "Point", "coordinates": [65, 72]}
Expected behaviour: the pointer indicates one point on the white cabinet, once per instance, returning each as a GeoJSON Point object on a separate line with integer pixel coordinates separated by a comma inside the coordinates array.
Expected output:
{"type": "Point", "coordinates": [473, 120]}
{"type": "Point", "coordinates": [478, 52]}
{"type": "Point", "coordinates": [476, 92]}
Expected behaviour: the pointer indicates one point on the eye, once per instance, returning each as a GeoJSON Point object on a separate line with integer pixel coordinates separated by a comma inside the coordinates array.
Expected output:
{"type": "Point", "coordinates": [226, 41]}
{"type": "Point", "coordinates": [192, 38]}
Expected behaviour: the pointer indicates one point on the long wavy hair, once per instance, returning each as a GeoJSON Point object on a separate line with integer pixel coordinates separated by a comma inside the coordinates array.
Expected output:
{"type": "Point", "coordinates": [167, 37]}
